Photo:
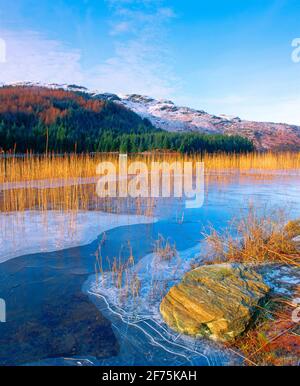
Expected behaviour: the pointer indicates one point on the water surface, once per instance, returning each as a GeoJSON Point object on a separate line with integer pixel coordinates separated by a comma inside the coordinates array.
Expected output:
{"type": "Point", "coordinates": [51, 318]}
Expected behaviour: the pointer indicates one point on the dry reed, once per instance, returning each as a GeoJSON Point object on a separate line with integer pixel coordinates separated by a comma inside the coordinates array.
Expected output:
{"type": "Point", "coordinates": [164, 249]}
{"type": "Point", "coordinates": [53, 167]}
{"type": "Point", "coordinates": [255, 239]}
{"type": "Point", "coordinates": [67, 182]}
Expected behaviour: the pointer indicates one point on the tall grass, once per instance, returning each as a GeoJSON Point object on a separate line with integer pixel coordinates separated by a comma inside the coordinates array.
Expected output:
{"type": "Point", "coordinates": [54, 167]}
{"type": "Point", "coordinates": [164, 249]}
{"type": "Point", "coordinates": [253, 162]}
{"type": "Point", "coordinates": [67, 182]}
{"type": "Point", "coordinates": [266, 240]}
{"type": "Point", "coordinates": [255, 238]}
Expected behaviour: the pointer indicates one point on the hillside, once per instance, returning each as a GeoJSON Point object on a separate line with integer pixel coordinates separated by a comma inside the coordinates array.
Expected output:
{"type": "Point", "coordinates": [39, 118]}
{"type": "Point", "coordinates": [166, 115]}
{"type": "Point", "coordinates": [69, 118]}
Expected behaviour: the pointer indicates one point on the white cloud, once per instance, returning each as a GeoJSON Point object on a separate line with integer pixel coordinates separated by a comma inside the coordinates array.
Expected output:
{"type": "Point", "coordinates": [120, 28]}
{"type": "Point", "coordinates": [139, 64]}
{"type": "Point", "coordinates": [167, 12]}
{"type": "Point", "coordinates": [129, 71]}
{"type": "Point", "coordinates": [2, 51]}
{"type": "Point", "coordinates": [31, 57]}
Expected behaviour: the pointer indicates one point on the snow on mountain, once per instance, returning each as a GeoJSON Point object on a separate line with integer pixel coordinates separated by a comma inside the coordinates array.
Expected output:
{"type": "Point", "coordinates": [164, 114]}
{"type": "Point", "coordinates": [53, 86]}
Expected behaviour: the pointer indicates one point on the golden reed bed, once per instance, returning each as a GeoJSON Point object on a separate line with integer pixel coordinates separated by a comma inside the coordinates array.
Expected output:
{"type": "Point", "coordinates": [47, 175]}
{"type": "Point", "coordinates": [84, 165]}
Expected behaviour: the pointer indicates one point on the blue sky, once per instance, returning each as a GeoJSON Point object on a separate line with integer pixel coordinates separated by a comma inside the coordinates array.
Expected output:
{"type": "Point", "coordinates": [229, 56]}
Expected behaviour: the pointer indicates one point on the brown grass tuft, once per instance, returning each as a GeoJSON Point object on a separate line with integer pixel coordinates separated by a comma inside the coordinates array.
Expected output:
{"type": "Point", "coordinates": [164, 249]}
{"type": "Point", "coordinates": [275, 338]}
{"type": "Point", "coordinates": [254, 239]}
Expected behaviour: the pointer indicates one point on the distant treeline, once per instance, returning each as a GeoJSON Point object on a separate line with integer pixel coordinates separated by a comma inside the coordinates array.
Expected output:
{"type": "Point", "coordinates": [40, 120]}
{"type": "Point", "coordinates": [183, 142]}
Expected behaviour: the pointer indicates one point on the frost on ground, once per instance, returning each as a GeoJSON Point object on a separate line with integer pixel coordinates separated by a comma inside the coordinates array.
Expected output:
{"type": "Point", "coordinates": [142, 286]}
{"type": "Point", "coordinates": [282, 279]}
{"type": "Point", "coordinates": [23, 233]}
{"type": "Point", "coordinates": [130, 296]}
{"type": "Point", "coordinates": [133, 308]}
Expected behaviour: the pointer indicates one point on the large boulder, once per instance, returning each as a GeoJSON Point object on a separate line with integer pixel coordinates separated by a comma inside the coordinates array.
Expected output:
{"type": "Point", "coordinates": [217, 301]}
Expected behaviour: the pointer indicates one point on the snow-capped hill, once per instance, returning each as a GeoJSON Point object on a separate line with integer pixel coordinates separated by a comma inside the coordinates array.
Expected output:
{"type": "Point", "coordinates": [53, 86]}
{"type": "Point", "coordinates": [230, 117]}
{"type": "Point", "coordinates": [166, 115]}
{"type": "Point", "coordinates": [106, 96]}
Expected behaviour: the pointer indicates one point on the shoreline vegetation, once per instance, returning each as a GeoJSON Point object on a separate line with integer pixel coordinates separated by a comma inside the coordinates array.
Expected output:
{"type": "Point", "coordinates": [267, 243]}
{"type": "Point", "coordinates": [256, 239]}
{"type": "Point", "coordinates": [67, 182]}
{"type": "Point", "coordinates": [30, 166]}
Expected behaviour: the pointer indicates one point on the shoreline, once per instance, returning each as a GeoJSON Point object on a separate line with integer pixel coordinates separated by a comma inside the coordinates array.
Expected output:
{"type": "Point", "coordinates": [141, 319]}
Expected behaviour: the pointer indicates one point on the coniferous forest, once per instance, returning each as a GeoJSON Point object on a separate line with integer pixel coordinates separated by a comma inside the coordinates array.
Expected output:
{"type": "Point", "coordinates": [39, 119]}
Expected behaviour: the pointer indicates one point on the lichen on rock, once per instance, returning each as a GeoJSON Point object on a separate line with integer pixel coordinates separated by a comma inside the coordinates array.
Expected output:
{"type": "Point", "coordinates": [218, 301]}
